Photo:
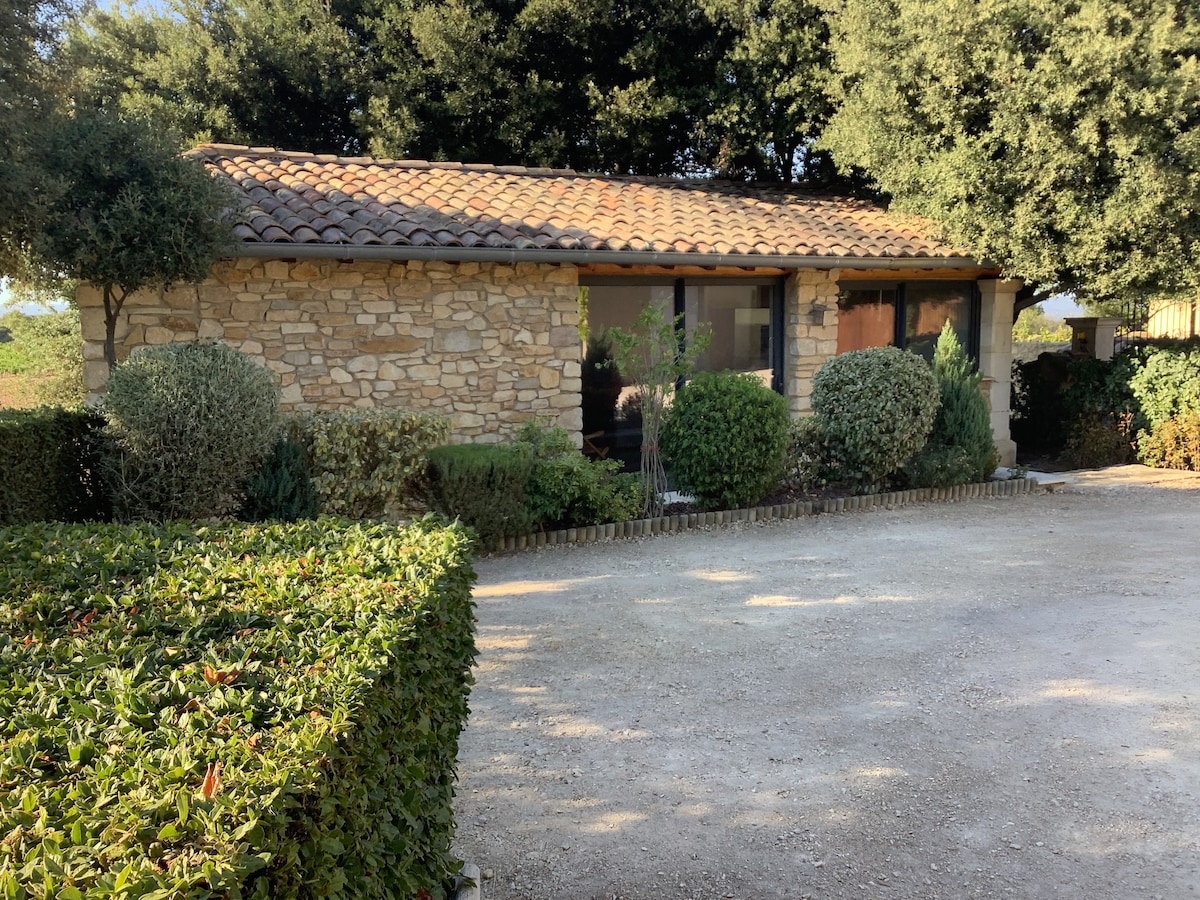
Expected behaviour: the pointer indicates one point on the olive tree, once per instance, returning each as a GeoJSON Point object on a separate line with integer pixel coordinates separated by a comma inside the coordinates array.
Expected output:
{"type": "Point", "coordinates": [127, 212]}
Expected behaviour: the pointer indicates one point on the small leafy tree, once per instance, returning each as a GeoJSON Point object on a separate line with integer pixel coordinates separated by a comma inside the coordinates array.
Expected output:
{"type": "Point", "coordinates": [129, 212]}
{"type": "Point", "coordinates": [653, 357]}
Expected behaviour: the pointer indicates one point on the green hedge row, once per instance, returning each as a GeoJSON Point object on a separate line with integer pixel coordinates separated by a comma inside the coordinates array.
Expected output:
{"type": "Point", "coordinates": [537, 481]}
{"type": "Point", "coordinates": [50, 466]}
{"type": "Point", "coordinates": [231, 711]}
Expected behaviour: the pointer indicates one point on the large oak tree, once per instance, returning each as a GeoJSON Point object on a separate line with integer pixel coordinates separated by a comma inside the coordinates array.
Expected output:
{"type": "Point", "coordinates": [1061, 139]}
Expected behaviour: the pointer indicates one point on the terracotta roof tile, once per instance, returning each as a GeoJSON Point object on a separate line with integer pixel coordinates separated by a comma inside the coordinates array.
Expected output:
{"type": "Point", "coordinates": [305, 198]}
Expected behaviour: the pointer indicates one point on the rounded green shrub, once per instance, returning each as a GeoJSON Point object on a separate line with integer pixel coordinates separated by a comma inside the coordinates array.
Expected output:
{"type": "Point", "coordinates": [877, 407]}
{"type": "Point", "coordinates": [806, 463]}
{"type": "Point", "coordinates": [189, 423]}
{"type": "Point", "coordinates": [725, 440]}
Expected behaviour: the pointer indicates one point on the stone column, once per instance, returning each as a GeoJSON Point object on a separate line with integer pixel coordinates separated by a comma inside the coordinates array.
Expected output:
{"type": "Point", "coordinates": [998, 297]}
{"type": "Point", "coordinates": [1094, 336]}
{"type": "Point", "coordinates": [810, 333]}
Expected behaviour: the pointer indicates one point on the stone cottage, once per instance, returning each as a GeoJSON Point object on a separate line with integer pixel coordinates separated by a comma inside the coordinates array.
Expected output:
{"type": "Point", "coordinates": [459, 288]}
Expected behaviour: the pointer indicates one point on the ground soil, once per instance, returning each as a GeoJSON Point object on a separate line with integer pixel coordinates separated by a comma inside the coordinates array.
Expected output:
{"type": "Point", "coordinates": [20, 391]}
{"type": "Point", "coordinates": [989, 698]}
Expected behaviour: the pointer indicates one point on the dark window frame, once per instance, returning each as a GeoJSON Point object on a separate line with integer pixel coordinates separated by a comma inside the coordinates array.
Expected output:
{"type": "Point", "coordinates": [900, 325]}
{"type": "Point", "coordinates": [680, 284]}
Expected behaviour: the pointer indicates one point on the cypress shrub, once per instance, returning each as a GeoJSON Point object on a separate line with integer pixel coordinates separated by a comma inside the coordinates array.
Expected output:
{"type": "Point", "coordinates": [960, 449]}
{"type": "Point", "coordinates": [282, 489]}
{"type": "Point", "coordinates": [725, 440]}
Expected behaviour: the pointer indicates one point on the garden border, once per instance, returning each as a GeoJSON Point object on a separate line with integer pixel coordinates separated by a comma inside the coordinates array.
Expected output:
{"type": "Point", "coordinates": [637, 528]}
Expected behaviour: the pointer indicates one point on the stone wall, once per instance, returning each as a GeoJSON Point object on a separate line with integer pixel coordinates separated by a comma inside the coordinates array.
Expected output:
{"type": "Point", "coordinates": [490, 346]}
{"type": "Point", "coordinates": [810, 320]}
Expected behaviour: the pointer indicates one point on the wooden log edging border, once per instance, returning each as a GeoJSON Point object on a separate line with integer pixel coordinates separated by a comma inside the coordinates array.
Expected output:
{"type": "Point", "coordinates": [667, 524]}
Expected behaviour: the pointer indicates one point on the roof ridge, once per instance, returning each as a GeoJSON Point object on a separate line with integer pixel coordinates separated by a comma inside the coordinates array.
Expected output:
{"type": "Point", "coordinates": [213, 151]}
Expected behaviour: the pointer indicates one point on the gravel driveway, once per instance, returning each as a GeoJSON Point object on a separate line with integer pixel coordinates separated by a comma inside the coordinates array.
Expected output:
{"type": "Point", "coordinates": [991, 698]}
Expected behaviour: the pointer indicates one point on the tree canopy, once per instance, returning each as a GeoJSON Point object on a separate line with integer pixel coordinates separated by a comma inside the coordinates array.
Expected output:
{"type": "Point", "coordinates": [732, 87]}
{"type": "Point", "coordinates": [1060, 139]}
{"type": "Point", "coordinates": [28, 96]}
{"type": "Point", "coordinates": [127, 211]}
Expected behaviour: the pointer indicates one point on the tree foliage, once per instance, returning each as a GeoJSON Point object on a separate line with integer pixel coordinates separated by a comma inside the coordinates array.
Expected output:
{"type": "Point", "coordinates": [28, 97]}
{"type": "Point", "coordinates": [269, 72]}
{"type": "Point", "coordinates": [665, 87]}
{"type": "Point", "coordinates": [1061, 139]}
{"type": "Point", "coordinates": [127, 211]}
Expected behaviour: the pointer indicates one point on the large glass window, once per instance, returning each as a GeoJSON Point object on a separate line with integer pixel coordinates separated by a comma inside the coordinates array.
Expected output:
{"type": "Point", "coordinates": [909, 315]}
{"type": "Point", "coordinates": [740, 318]}
{"type": "Point", "coordinates": [866, 318]}
{"type": "Point", "coordinates": [745, 316]}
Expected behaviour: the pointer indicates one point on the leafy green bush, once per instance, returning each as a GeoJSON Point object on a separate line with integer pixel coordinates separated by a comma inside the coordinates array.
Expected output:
{"type": "Point", "coordinates": [960, 449]}
{"type": "Point", "coordinates": [367, 463]}
{"type": "Point", "coordinates": [877, 407]}
{"type": "Point", "coordinates": [1173, 443]}
{"type": "Point", "coordinates": [940, 465]}
{"type": "Point", "coordinates": [231, 711]}
{"type": "Point", "coordinates": [483, 485]}
{"type": "Point", "coordinates": [189, 423]}
{"type": "Point", "coordinates": [725, 439]}
{"type": "Point", "coordinates": [1098, 440]}
{"type": "Point", "coordinates": [50, 466]}
{"type": "Point", "coordinates": [282, 489]}
{"type": "Point", "coordinates": [567, 490]}
{"type": "Point", "coordinates": [806, 462]}
{"type": "Point", "coordinates": [1167, 384]}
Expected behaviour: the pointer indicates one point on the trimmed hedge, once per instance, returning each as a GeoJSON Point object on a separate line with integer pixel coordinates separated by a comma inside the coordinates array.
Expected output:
{"type": "Point", "coordinates": [877, 407]}
{"type": "Point", "coordinates": [231, 711]}
{"type": "Point", "coordinates": [484, 486]}
{"type": "Point", "coordinates": [367, 463]}
{"type": "Point", "coordinates": [50, 466]}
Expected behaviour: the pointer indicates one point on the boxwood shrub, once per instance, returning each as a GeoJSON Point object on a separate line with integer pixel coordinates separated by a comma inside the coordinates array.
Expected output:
{"type": "Point", "coordinates": [367, 463]}
{"type": "Point", "coordinates": [725, 439]}
{"type": "Point", "coordinates": [877, 407]}
{"type": "Point", "coordinates": [231, 711]}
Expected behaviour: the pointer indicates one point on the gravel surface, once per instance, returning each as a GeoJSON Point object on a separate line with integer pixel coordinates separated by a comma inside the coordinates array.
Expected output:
{"type": "Point", "coordinates": [990, 698]}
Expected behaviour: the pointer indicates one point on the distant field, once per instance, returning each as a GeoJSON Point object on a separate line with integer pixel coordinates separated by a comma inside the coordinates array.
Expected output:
{"type": "Point", "coordinates": [20, 391]}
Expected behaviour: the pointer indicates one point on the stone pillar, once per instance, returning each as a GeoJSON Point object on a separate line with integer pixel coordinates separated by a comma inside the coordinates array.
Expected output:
{"type": "Point", "coordinates": [1094, 336]}
{"type": "Point", "coordinates": [810, 333]}
{"type": "Point", "coordinates": [998, 297]}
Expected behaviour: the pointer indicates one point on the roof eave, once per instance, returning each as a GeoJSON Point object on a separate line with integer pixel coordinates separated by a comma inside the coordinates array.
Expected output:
{"type": "Point", "coordinates": [512, 256]}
